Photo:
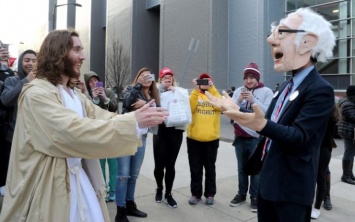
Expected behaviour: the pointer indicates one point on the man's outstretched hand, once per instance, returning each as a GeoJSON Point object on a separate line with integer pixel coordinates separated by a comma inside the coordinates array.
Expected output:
{"type": "Point", "coordinates": [255, 120]}
{"type": "Point", "coordinates": [148, 116]}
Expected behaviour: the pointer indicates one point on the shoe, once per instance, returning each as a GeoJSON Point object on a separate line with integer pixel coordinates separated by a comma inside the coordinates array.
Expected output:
{"type": "Point", "coordinates": [238, 199]}
{"type": "Point", "coordinates": [159, 195]}
{"type": "Point", "coordinates": [253, 204]}
{"type": "Point", "coordinates": [347, 169]}
{"type": "Point", "coordinates": [111, 197]}
{"type": "Point", "coordinates": [209, 201]}
{"type": "Point", "coordinates": [131, 209]}
{"type": "Point", "coordinates": [315, 213]}
{"type": "Point", "coordinates": [2, 191]}
{"type": "Point", "coordinates": [170, 200]}
{"type": "Point", "coordinates": [121, 215]}
{"type": "Point", "coordinates": [194, 200]}
{"type": "Point", "coordinates": [347, 179]}
{"type": "Point", "coordinates": [327, 204]}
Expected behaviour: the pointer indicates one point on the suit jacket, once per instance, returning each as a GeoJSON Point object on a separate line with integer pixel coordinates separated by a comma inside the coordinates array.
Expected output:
{"type": "Point", "coordinates": [290, 167]}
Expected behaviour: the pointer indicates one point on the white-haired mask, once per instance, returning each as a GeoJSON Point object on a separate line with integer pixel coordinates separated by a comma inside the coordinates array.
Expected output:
{"type": "Point", "coordinates": [298, 37]}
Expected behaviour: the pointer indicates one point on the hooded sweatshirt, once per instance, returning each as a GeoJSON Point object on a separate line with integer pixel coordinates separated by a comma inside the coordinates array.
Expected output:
{"type": "Point", "coordinates": [206, 119]}
{"type": "Point", "coordinates": [262, 96]}
{"type": "Point", "coordinates": [112, 104]}
{"type": "Point", "coordinates": [12, 89]}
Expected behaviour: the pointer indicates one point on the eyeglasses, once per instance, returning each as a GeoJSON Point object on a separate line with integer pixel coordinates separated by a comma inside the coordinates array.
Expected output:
{"type": "Point", "coordinates": [280, 33]}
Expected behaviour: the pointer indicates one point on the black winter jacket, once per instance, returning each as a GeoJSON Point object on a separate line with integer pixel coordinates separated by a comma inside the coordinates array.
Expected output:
{"type": "Point", "coordinates": [347, 122]}
{"type": "Point", "coordinates": [132, 94]}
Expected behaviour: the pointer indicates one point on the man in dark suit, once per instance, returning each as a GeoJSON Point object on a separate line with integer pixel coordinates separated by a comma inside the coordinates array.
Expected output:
{"type": "Point", "coordinates": [296, 119]}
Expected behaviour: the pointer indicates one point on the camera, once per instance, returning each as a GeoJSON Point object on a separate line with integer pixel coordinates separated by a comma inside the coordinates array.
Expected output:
{"type": "Point", "coordinates": [202, 82]}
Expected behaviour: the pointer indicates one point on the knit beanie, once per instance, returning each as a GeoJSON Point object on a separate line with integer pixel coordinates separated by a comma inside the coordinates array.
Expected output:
{"type": "Point", "coordinates": [350, 91]}
{"type": "Point", "coordinates": [252, 70]}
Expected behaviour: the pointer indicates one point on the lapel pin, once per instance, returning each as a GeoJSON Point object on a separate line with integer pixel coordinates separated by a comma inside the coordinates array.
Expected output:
{"type": "Point", "coordinates": [294, 95]}
{"type": "Point", "coordinates": [275, 94]}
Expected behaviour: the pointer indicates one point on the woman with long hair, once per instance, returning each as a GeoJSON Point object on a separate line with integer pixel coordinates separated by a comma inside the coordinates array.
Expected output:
{"type": "Point", "coordinates": [142, 90]}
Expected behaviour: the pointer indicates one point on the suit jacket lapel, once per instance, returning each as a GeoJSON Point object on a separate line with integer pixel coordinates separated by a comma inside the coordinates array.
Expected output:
{"type": "Point", "coordinates": [310, 78]}
{"type": "Point", "coordinates": [274, 100]}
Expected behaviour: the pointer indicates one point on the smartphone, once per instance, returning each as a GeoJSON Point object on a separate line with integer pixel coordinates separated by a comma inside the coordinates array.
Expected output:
{"type": "Point", "coordinates": [99, 84]}
{"type": "Point", "coordinates": [152, 77]}
{"type": "Point", "coordinates": [243, 89]}
{"type": "Point", "coordinates": [202, 82]}
{"type": "Point", "coordinates": [5, 46]}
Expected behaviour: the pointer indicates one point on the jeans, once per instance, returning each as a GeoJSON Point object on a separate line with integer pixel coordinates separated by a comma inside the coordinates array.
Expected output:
{"type": "Point", "coordinates": [202, 155]}
{"type": "Point", "coordinates": [244, 147]}
{"type": "Point", "coordinates": [112, 168]}
{"type": "Point", "coordinates": [128, 171]}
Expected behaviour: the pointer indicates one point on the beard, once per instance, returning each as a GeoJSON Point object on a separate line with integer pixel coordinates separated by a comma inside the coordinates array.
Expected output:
{"type": "Point", "coordinates": [69, 69]}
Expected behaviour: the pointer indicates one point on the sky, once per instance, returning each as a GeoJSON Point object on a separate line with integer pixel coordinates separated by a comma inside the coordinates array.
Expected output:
{"type": "Point", "coordinates": [20, 22]}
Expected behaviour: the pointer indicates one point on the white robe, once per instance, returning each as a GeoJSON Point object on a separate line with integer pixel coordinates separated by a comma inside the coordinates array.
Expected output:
{"type": "Point", "coordinates": [84, 205]}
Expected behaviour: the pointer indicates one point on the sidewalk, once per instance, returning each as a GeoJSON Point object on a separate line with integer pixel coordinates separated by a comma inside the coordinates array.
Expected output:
{"type": "Point", "coordinates": [342, 195]}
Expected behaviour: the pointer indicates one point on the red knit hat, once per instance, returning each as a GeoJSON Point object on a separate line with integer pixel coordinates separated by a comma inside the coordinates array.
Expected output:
{"type": "Point", "coordinates": [165, 71]}
{"type": "Point", "coordinates": [252, 70]}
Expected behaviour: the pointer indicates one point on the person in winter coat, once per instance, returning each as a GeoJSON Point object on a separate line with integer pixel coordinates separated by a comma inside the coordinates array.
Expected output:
{"type": "Point", "coordinates": [346, 131]}
{"type": "Point", "coordinates": [142, 90]}
{"type": "Point", "coordinates": [9, 96]}
{"type": "Point", "coordinates": [101, 96]}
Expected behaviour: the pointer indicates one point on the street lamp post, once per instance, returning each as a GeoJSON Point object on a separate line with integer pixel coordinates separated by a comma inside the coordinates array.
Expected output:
{"type": "Point", "coordinates": [54, 14]}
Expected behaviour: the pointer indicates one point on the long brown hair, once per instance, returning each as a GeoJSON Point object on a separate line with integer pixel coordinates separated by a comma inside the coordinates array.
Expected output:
{"type": "Point", "coordinates": [153, 89]}
{"type": "Point", "coordinates": [52, 56]}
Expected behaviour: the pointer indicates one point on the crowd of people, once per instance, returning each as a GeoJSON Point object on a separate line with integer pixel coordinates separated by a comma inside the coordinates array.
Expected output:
{"type": "Point", "coordinates": [59, 134]}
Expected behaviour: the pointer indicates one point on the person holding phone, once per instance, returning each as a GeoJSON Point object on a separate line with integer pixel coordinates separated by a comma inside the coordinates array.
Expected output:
{"type": "Point", "coordinates": [104, 98]}
{"type": "Point", "coordinates": [202, 140]}
{"type": "Point", "coordinates": [245, 140]}
{"type": "Point", "coordinates": [142, 90]}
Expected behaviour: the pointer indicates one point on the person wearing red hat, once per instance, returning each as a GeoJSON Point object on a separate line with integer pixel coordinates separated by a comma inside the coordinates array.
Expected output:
{"type": "Point", "coordinates": [245, 140]}
{"type": "Point", "coordinates": [202, 140]}
{"type": "Point", "coordinates": [166, 146]}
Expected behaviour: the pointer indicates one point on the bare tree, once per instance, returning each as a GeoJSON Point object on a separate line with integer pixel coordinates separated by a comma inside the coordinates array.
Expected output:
{"type": "Point", "coordinates": [118, 67]}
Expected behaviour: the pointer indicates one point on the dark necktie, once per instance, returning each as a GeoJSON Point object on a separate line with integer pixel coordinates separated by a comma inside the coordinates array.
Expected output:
{"type": "Point", "coordinates": [277, 112]}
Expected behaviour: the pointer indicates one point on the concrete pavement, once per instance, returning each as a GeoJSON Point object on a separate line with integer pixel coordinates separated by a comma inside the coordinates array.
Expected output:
{"type": "Point", "coordinates": [342, 195]}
